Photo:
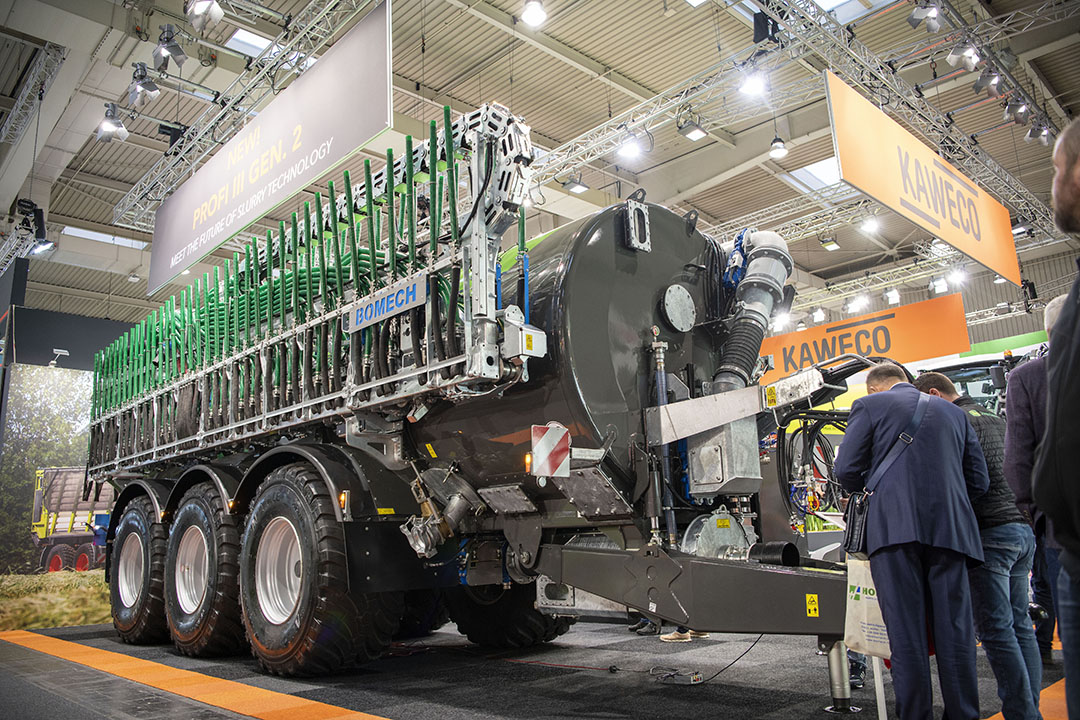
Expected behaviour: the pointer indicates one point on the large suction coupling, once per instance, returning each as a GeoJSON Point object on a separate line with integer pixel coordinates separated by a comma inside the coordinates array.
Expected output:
{"type": "Point", "coordinates": [768, 266]}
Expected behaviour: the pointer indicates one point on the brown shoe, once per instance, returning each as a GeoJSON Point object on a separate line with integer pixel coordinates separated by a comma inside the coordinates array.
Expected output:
{"type": "Point", "coordinates": [676, 636]}
{"type": "Point", "coordinates": [696, 634]}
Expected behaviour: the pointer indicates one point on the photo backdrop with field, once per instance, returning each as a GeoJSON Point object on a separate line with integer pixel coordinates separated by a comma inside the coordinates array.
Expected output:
{"type": "Point", "coordinates": [46, 422]}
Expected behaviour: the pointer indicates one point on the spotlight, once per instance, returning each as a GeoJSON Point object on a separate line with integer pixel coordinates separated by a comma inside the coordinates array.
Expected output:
{"type": "Point", "coordinates": [778, 150]}
{"type": "Point", "coordinates": [858, 304]}
{"type": "Point", "coordinates": [870, 225]}
{"type": "Point", "coordinates": [1019, 229]}
{"type": "Point", "coordinates": [691, 130]}
{"type": "Point", "coordinates": [142, 89]}
{"type": "Point", "coordinates": [185, 272]}
{"type": "Point", "coordinates": [966, 54]}
{"type": "Point", "coordinates": [957, 277]}
{"type": "Point", "coordinates": [575, 185]}
{"type": "Point", "coordinates": [754, 83]}
{"type": "Point", "coordinates": [533, 14]}
{"type": "Point", "coordinates": [938, 285]}
{"type": "Point", "coordinates": [781, 321]}
{"type": "Point", "coordinates": [988, 81]}
{"type": "Point", "coordinates": [928, 12]}
{"type": "Point", "coordinates": [1038, 132]}
{"type": "Point", "coordinates": [133, 278]}
{"type": "Point", "coordinates": [167, 48]}
{"type": "Point", "coordinates": [203, 14]}
{"type": "Point", "coordinates": [695, 3]}
{"type": "Point", "coordinates": [818, 316]}
{"type": "Point", "coordinates": [1017, 111]}
{"type": "Point", "coordinates": [630, 147]}
{"type": "Point", "coordinates": [1002, 308]}
{"type": "Point", "coordinates": [42, 246]}
{"type": "Point", "coordinates": [112, 126]}
{"type": "Point", "coordinates": [800, 327]}
{"type": "Point", "coordinates": [830, 244]}
{"type": "Point", "coordinates": [999, 280]}
{"type": "Point", "coordinates": [892, 296]}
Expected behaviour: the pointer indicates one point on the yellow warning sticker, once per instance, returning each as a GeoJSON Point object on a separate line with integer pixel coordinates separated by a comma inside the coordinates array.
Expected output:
{"type": "Point", "coordinates": [386, 511]}
{"type": "Point", "coordinates": [528, 342]}
{"type": "Point", "coordinates": [812, 608]}
{"type": "Point", "coordinates": [431, 450]}
{"type": "Point", "coordinates": [770, 396]}
{"type": "Point", "coordinates": [723, 522]}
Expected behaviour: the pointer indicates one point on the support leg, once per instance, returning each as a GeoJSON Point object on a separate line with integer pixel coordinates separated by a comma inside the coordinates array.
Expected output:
{"type": "Point", "coordinates": [839, 683]}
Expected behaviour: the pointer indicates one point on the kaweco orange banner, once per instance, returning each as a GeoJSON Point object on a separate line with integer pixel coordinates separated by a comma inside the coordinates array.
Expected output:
{"type": "Point", "coordinates": [882, 159]}
{"type": "Point", "coordinates": [907, 333]}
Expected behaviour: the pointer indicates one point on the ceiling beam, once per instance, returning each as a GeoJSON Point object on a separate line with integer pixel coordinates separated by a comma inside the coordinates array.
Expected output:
{"type": "Point", "coordinates": [59, 291]}
{"type": "Point", "coordinates": [94, 181]}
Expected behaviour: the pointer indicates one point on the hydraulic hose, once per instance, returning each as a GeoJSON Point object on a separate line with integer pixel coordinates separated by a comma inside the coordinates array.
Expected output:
{"type": "Point", "coordinates": [768, 265]}
{"type": "Point", "coordinates": [451, 322]}
{"type": "Point", "coordinates": [436, 318]}
{"type": "Point", "coordinates": [417, 342]}
{"type": "Point", "coordinates": [384, 352]}
{"type": "Point", "coordinates": [668, 497]}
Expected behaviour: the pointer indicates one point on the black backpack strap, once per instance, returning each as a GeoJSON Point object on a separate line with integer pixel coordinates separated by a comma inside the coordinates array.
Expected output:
{"type": "Point", "coordinates": [901, 443]}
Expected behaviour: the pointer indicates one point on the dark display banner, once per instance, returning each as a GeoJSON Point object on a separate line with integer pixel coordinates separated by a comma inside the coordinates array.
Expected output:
{"type": "Point", "coordinates": [323, 117]}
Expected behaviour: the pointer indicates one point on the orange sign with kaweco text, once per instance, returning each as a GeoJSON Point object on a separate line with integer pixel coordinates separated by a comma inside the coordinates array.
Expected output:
{"type": "Point", "coordinates": [882, 159]}
{"type": "Point", "coordinates": [906, 333]}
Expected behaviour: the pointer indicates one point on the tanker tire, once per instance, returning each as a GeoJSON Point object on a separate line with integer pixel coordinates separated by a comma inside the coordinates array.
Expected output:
{"type": "Point", "coordinates": [210, 625]}
{"type": "Point", "coordinates": [326, 628]}
{"type": "Point", "coordinates": [494, 616]}
{"type": "Point", "coordinates": [85, 558]}
{"type": "Point", "coordinates": [142, 621]}
{"type": "Point", "coordinates": [59, 557]}
{"type": "Point", "coordinates": [425, 612]}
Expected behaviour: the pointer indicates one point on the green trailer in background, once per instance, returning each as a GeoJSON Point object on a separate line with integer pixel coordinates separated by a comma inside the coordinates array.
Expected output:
{"type": "Point", "coordinates": [62, 522]}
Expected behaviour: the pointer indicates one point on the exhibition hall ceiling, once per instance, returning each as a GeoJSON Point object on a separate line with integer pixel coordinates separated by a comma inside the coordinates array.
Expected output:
{"type": "Point", "coordinates": [590, 61]}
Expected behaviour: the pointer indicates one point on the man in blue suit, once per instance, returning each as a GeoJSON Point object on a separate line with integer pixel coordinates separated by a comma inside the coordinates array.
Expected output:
{"type": "Point", "coordinates": [921, 534]}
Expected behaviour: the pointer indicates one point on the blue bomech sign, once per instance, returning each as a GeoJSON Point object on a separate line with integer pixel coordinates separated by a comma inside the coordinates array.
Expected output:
{"type": "Point", "coordinates": [386, 303]}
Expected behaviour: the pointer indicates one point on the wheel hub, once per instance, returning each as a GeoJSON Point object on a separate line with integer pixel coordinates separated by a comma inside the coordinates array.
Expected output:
{"type": "Point", "coordinates": [192, 569]}
{"type": "Point", "coordinates": [278, 570]}
{"type": "Point", "coordinates": [130, 570]}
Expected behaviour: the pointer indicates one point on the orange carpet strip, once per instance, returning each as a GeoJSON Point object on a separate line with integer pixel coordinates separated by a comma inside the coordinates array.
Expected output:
{"type": "Point", "coordinates": [225, 694]}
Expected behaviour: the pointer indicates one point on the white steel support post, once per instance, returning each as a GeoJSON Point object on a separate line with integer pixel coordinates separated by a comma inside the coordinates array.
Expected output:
{"type": "Point", "coordinates": [481, 253]}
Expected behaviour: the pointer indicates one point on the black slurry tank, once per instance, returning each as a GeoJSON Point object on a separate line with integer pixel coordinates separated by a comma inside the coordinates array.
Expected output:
{"type": "Point", "coordinates": [598, 300]}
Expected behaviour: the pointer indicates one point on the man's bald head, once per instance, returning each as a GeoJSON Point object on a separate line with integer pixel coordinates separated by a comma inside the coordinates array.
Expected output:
{"type": "Point", "coordinates": [1066, 191]}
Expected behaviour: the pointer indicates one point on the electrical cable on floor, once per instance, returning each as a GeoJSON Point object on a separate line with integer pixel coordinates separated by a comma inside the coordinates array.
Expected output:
{"type": "Point", "coordinates": [674, 676]}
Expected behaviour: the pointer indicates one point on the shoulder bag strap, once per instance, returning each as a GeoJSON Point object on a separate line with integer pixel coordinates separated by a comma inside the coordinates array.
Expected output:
{"type": "Point", "coordinates": [901, 443]}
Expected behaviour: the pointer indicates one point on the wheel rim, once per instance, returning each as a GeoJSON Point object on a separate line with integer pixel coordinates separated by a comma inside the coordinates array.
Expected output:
{"type": "Point", "coordinates": [192, 569]}
{"type": "Point", "coordinates": [82, 562]}
{"type": "Point", "coordinates": [55, 564]}
{"type": "Point", "coordinates": [278, 570]}
{"type": "Point", "coordinates": [129, 574]}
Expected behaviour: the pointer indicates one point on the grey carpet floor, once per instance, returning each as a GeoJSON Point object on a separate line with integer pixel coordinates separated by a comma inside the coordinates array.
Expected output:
{"type": "Point", "coordinates": [443, 677]}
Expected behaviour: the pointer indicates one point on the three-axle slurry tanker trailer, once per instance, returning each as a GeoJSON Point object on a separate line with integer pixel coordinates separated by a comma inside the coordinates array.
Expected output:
{"type": "Point", "coordinates": [374, 408]}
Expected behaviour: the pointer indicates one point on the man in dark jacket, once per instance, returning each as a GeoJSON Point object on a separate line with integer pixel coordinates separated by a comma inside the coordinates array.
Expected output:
{"type": "Point", "coordinates": [1056, 482]}
{"type": "Point", "coordinates": [1025, 423]}
{"type": "Point", "coordinates": [999, 587]}
{"type": "Point", "coordinates": [921, 533]}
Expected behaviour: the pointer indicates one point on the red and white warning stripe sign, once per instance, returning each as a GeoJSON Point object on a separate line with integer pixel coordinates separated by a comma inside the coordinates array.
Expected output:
{"type": "Point", "coordinates": [550, 450]}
